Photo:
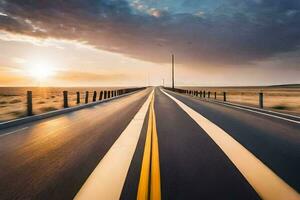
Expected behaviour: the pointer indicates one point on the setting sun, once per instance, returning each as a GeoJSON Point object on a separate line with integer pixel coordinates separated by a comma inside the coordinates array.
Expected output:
{"type": "Point", "coordinates": [41, 71]}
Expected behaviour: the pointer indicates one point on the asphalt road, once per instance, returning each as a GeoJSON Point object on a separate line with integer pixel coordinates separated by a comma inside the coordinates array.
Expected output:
{"type": "Point", "coordinates": [274, 141]}
{"type": "Point", "coordinates": [53, 158]}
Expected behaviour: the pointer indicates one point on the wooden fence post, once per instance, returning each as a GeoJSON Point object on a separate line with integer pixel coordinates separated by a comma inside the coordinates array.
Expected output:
{"type": "Point", "coordinates": [204, 94]}
{"type": "Point", "coordinates": [94, 96]}
{"type": "Point", "coordinates": [65, 94]}
{"type": "Point", "coordinates": [261, 100]}
{"type": "Point", "coordinates": [100, 95]}
{"type": "Point", "coordinates": [105, 94]}
{"type": "Point", "coordinates": [78, 97]}
{"type": "Point", "coordinates": [215, 95]}
{"type": "Point", "coordinates": [224, 96]}
{"type": "Point", "coordinates": [108, 94]}
{"type": "Point", "coordinates": [208, 95]}
{"type": "Point", "coordinates": [29, 103]}
{"type": "Point", "coordinates": [86, 96]}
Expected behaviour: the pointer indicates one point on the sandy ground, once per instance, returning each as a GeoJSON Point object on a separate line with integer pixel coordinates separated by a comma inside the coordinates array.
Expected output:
{"type": "Point", "coordinates": [275, 98]}
{"type": "Point", "coordinates": [13, 102]}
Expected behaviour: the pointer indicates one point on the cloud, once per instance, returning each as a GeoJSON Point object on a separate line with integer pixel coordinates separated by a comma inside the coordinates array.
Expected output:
{"type": "Point", "coordinates": [87, 76]}
{"type": "Point", "coordinates": [230, 32]}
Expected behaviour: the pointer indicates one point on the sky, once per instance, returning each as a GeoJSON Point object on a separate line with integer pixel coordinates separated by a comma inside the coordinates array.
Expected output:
{"type": "Point", "coordinates": [130, 42]}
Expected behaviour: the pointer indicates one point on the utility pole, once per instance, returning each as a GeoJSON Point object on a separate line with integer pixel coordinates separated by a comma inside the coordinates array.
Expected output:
{"type": "Point", "coordinates": [173, 71]}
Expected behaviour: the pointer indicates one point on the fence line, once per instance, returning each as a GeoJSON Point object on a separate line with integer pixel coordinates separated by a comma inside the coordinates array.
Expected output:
{"type": "Point", "coordinates": [106, 94]}
{"type": "Point", "coordinates": [207, 94]}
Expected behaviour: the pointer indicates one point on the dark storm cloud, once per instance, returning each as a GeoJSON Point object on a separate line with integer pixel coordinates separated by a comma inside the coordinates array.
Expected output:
{"type": "Point", "coordinates": [230, 32]}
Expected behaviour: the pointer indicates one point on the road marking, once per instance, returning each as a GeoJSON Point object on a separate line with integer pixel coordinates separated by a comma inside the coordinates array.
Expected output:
{"type": "Point", "coordinates": [155, 193]}
{"type": "Point", "coordinates": [107, 179]}
{"type": "Point", "coordinates": [258, 112]}
{"type": "Point", "coordinates": [267, 184]}
{"type": "Point", "coordinates": [21, 129]}
{"type": "Point", "coordinates": [143, 188]}
{"type": "Point", "coordinates": [247, 108]}
{"type": "Point", "coordinates": [259, 109]}
{"type": "Point", "coordinates": [150, 172]}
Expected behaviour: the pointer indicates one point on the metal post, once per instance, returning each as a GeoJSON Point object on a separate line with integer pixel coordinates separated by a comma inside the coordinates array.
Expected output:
{"type": "Point", "coordinates": [29, 103]}
{"type": "Point", "coordinates": [65, 93]}
{"type": "Point", "coordinates": [86, 96]}
{"type": "Point", "coordinates": [261, 100]}
{"type": "Point", "coordinates": [224, 96]}
{"type": "Point", "coordinates": [78, 97]}
{"type": "Point", "coordinates": [173, 71]}
{"type": "Point", "coordinates": [94, 96]}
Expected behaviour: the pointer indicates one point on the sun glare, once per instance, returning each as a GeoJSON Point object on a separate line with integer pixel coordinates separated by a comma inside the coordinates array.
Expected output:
{"type": "Point", "coordinates": [41, 70]}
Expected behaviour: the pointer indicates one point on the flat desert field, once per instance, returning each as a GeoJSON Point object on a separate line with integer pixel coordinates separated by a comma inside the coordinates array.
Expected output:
{"type": "Point", "coordinates": [279, 98]}
{"type": "Point", "coordinates": [13, 99]}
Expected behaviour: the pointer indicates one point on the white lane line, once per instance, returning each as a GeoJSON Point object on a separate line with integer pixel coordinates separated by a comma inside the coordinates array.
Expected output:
{"type": "Point", "coordinates": [21, 129]}
{"type": "Point", "coordinates": [266, 183]}
{"type": "Point", "coordinates": [262, 113]}
{"type": "Point", "coordinates": [259, 109]}
{"type": "Point", "coordinates": [107, 179]}
{"type": "Point", "coordinates": [257, 112]}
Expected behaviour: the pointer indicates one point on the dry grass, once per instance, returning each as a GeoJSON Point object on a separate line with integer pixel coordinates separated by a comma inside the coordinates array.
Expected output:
{"type": "Point", "coordinates": [13, 100]}
{"type": "Point", "coordinates": [281, 99]}
{"type": "Point", "coordinates": [47, 109]}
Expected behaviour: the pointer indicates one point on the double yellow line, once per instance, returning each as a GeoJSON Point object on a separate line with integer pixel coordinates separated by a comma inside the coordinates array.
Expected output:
{"type": "Point", "coordinates": [149, 184]}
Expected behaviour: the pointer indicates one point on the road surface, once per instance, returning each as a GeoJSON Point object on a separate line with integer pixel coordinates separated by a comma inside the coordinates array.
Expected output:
{"type": "Point", "coordinates": [152, 145]}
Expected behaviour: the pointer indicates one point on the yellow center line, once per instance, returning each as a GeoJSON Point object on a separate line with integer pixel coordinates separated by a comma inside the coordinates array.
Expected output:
{"type": "Point", "coordinates": [155, 192]}
{"type": "Point", "coordinates": [266, 183]}
{"type": "Point", "coordinates": [149, 184]}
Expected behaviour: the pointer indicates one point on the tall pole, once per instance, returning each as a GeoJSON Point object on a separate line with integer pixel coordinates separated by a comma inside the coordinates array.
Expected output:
{"type": "Point", "coordinates": [173, 71]}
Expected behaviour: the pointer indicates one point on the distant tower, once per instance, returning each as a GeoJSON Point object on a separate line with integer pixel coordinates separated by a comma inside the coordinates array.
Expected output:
{"type": "Point", "coordinates": [173, 71]}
